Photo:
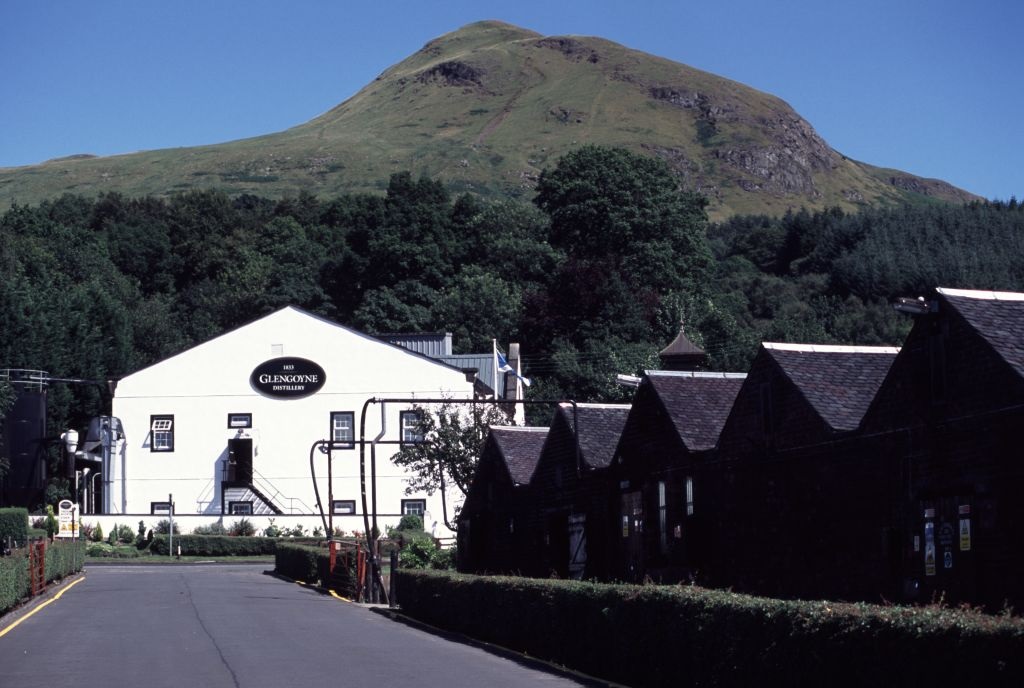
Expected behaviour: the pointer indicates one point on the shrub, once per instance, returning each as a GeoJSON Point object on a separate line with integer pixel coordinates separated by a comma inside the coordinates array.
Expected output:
{"type": "Point", "coordinates": [410, 522]}
{"type": "Point", "coordinates": [105, 550]}
{"type": "Point", "coordinates": [51, 524]}
{"type": "Point", "coordinates": [97, 535]}
{"type": "Point", "coordinates": [163, 527]}
{"type": "Point", "coordinates": [297, 561]}
{"type": "Point", "coordinates": [14, 583]}
{"type": "Point", "coordinates": [242, 527]}
{"type": "Point", "coordinates": [685, 635]}
{"type": "Point", "coordinates": [216, 528]}
{"type": "Point", "coordinates": [125, 534]}
{"type": "Point", "coordinates": [272, 530]}
{"type": "Point", "coordinates": [444, 559]}
{"type": "Point", "coordinates": [62, 559]}
{"type": "Point", "coordinates": [312, 565]}
{"type": "Point", "coordinates": [213, 545]}
{"type": "Point", "coordinates": [296, 531]}
{"type": "Point", "coordinates": [14, 525]}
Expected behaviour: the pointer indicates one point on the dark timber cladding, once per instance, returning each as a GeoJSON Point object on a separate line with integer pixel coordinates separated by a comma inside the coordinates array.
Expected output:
{"type": "Point", "coordinates": [672, 427]}
{"type": "Point", "coordinates": [799, 509]}
{"type": "Point", "coordinates": [835, 472]}
{"type": "Point", "coordinates": [570, 514]}
{"type": "Point", "coordinates": [953, 408]}
{"type": "Point", "coordinates": [491, 534]}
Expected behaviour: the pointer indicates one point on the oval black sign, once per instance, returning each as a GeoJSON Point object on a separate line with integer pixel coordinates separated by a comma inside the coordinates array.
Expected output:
{"type": "Point", "coordinates": [288, 378]}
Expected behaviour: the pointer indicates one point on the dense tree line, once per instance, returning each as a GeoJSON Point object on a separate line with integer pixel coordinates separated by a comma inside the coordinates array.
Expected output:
{"type": "Point", "coordinates": [593, 278]}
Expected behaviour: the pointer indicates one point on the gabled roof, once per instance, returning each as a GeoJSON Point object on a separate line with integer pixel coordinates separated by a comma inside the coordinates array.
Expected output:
{"type": "Point", "coordinates": [839, 382]}
{"type": "Point", "coordinates": [998, 317]}
{"type": "Point", "coordinates": [600, 426]}
{"type": "Point", "coordinates": [697, 403]}
{"type": "Point", "coordinates": [519, 448]}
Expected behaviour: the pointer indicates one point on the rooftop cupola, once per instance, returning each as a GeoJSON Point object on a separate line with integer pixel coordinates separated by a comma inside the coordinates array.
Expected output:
{"type": "Point", "coordinates": [682, 354]}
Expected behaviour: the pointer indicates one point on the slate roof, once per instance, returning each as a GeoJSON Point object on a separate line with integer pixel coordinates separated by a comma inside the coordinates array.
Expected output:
{"type": "Point", "coordinates": [839, 382]}
{"type": "Point", "coordinates": [520, 448]}
{"type": "Point", "coordinates": [600, 426]}
{"type": "Point", "coordinates": [997, 316]}
{"type": "Point", "coordinates": [697, 403]}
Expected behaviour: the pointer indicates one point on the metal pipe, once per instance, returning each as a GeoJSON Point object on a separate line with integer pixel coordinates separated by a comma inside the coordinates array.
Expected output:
{"type": "Point", "coordinates": [316, 488]}
{"type": "Point", "coordinates": [377, 440]}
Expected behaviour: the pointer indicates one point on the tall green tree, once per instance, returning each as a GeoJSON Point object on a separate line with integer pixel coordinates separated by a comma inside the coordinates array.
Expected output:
{"type": "Point", "coordinates": [630, 237]}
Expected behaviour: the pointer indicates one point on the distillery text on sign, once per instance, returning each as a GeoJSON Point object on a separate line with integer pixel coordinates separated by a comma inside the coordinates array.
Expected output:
{"type": "Point", "coordinates": [288, 378]}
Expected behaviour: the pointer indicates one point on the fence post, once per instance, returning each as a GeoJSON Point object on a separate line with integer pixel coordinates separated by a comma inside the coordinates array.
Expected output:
{"type": "Point", "coordinates": [392, 601]}
{"type": "Point", "coordinates": [37, 567]}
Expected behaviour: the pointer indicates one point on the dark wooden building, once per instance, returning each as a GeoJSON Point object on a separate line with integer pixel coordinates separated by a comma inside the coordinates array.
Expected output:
{"type": "Point", "coordinates": [491, 533]}
{"type": "Point", "coordinates": [666, 444]}
{"type": "Point", "coordinates": [800, 508]}
{"type": "Point", "coordinates": [836, 472]}
{"type": "Point", "coordinates": [952, 410]}
{"type": "Point", "coordinates": [571, 494]}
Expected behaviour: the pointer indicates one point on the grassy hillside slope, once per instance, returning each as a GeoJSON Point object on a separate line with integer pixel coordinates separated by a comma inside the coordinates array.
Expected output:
{"type": "Point", "coordinates": [487, 107]}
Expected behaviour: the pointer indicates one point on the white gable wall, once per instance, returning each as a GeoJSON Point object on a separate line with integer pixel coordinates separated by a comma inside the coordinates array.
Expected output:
{"type": "Point", "coordinates": [202, 385]}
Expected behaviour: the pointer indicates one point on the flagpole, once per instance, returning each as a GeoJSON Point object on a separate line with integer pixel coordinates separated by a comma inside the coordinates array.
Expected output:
{"type": "Point", "coordinates": [494, 369]}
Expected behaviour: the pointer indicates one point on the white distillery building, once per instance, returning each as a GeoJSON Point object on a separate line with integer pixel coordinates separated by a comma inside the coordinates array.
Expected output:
{"type": "Point", "coordinates": [227, 427]}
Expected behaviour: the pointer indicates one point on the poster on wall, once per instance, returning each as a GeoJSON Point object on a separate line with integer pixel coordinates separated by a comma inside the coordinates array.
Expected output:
{"type": "Point", "coordinates": [965, 535]}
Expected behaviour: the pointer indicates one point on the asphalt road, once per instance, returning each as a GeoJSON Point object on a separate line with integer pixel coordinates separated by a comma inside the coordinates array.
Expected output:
{"type": "Point", "coordinates": [233, 626]}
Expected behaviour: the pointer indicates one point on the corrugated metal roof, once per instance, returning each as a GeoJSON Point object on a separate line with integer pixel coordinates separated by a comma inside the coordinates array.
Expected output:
{"type": "Point", "coordinates": [433, 344]}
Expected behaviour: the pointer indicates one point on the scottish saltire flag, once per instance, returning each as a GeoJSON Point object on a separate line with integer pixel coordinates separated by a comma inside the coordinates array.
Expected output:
{"type": "Point", "coordinates": [504, 367]}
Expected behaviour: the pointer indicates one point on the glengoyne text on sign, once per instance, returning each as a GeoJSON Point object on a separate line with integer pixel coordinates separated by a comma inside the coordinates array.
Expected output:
{"type": "Point", "coordinates": [288, 378]}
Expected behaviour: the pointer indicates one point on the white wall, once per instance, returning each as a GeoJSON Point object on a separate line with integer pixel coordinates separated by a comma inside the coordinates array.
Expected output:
{"type": "Point", "coordinates": [201, 386]}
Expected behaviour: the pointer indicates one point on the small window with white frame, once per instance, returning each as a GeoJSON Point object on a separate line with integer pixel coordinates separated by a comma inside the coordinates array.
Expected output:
{"type": "Point", "coordinates": [161, 433]}
{"type": "Point", "coordinates": [689, 495]}
{"type": "Point", "coordinates": [239, 420]}
{"type": "Point", "coordinates": [414, 507]}
{"type": "Point", "coordinates": [343, 430]}
{"type": "Point", "coordinates": [343, 507]}
{"type": "Point", "coordinates": [412, 430]}
{"type": "Point", "coordinates": [240, 508]}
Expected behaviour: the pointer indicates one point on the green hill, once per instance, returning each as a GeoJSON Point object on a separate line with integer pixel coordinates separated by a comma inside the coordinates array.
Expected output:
{"type": "Point", "coordinates": [487, 107]}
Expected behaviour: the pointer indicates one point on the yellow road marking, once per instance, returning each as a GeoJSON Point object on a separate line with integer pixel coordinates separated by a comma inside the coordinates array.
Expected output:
{"type": "Point", "coordinates": [310, 585]}
{"type": "Point", "coordinates": [40, 607]}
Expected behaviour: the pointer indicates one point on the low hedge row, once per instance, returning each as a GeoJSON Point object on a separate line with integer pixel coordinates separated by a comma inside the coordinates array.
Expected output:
{"type": "Point", "coordinates": [689, 636]}
{"type": "Point", "coordinates": [62, 559]}
{"type": "Point", "coordinates": [14, 525]}
{"type": "Point", "coordinates": [217, 545]}
{"type": "Point", "coordinates": [312, 565]}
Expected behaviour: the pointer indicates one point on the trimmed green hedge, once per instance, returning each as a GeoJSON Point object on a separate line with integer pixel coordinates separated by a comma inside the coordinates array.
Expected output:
{"type": "Point", "coordinates": [14, 585]}
{"type": "Point", "coordinates": [213, 545]}
{"type": "Point", "coordinates": [62, 559]}
{"type": "Point", "coordinates": [14, 524]}
{"type": "Point", "coordinates": [312, 565]}
{"type": "Point", "coordinates": [689, 636]}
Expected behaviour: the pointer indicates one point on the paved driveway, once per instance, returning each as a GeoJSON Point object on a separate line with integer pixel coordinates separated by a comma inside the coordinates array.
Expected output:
{"type": "Point", "coordinates": [214, 625]}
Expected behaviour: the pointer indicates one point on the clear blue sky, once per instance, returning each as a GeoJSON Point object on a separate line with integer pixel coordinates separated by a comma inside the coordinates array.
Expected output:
{"type": "Point", "coordinates": [932, 87]}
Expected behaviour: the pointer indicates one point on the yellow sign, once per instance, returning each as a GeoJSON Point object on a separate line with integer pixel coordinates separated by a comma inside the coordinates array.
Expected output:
{"type": "Point", "coordinates": [929, 560]}
{"type": "Point", "coordinates": [68, 519]}
{"type": "Point", "coordinates": [965, 535]}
